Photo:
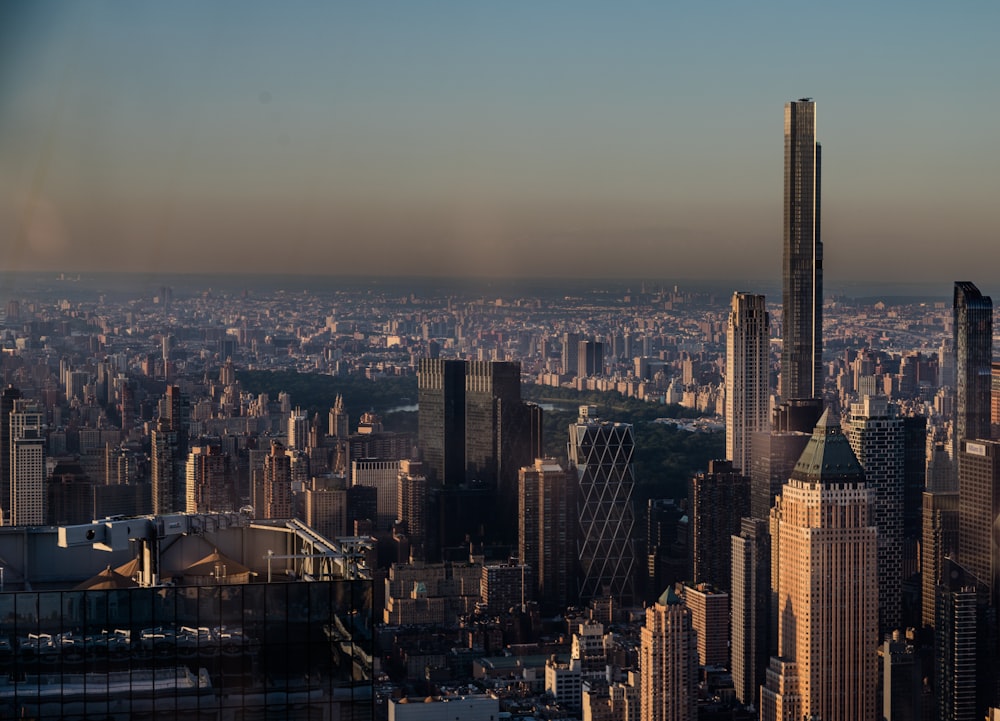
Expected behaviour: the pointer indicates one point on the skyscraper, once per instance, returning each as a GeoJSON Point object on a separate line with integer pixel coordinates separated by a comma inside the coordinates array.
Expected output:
{"type": "Point", "coordinates": [441, 423]}
{"type": "Point", "coordinates": [979, 512]}
{"type": "Point", "coordinates": [718, 501]}
{"type": "Point", "coordinates": [746, 376]}
{"type": "Point", "coordinates": [751, 602]}
{"type": "Point", "coordinates": [973, 328]}
{"type": "Point", "coordinates": [825, 586]}
{"type": "Point", "coordinates": [668, 662]}
{"type": "Point", "coordinates": [545, 531]}
{"type": "Point", "coordinates": [277, 483]}
{"type": "Point", "coordinates": [27, 464]}
{"type": "Point", "coordinates": [802, 267]}
{"type": "Point", "coordinates": [601, 453]}
{"type": "Point", "coordinates": [877, 438]}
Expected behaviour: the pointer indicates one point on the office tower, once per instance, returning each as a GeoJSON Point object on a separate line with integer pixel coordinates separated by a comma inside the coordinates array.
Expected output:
{"type": "Point", "coordinates": [962, 638]}
{"type": "Point", "coordinates": [441, 421]}
{"type": "Point", "coordinates": [27, 464]}
{"type": "Point", "coordinates": [7, 398]}
{"type": "Point", "coordinates": [774, 455]}
{"type": "Point", "coordinates": [979, 511]}
{"type": "Point", "coordinates": [751, 603]}
{"type": "Point", "coordinates": [570, 353]}
{"type": "Point", "coordinates": [668, 662]}
{"type": "Point", "coordinates": [546, 525]}
{"type": "Point", "coordinates": [747, 356]}
{"type": "Point", "coordinates": [709, 609]}
{"type": "Point", "coordinates": [488, 386]}
{"type": "Point", "coordinates": [802, 265]}
{"type": "Point", "coordinates": [973, 333]}
{"type": "Point", "coordinates": [939, 540]}
{"type": "Point", "coordinates": [601, 453]}
{"type": "Point", "coordinates": [338, 422]}
{"type": "Point", "coordinates": [277, 483]}
{"type": "Point", "coordinates": [384, 476]}
{"type": "Point", "coordinates": [590, 359]}
{"type": "Point", "coordinates": [825, 587]}
{"type": "Point", "coordinates": [167, 491]}
{"type": "Point", "coordinates": [411, 507]}
{"type": "Point", "coordinates": [718, 500]}
{"type": "Point", "coordinates": [209, 486]}
{"type": "Point", "coordinates": [298, 429]}
{"type": "Point", "coordinates": [476, 432]}
{"type": "Point", "coordinates": [877, 439]}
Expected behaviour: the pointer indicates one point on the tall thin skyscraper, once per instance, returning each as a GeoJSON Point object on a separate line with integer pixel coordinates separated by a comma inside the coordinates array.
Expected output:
{"type": "Point", "coordinates": [973, 328]}
{"type": "Point", "coordinates": [751, 602]}
{"type": "Point", "coordinates": [825, 587]}
{"type": "Point", "coordinates": [746, 376]}
{"type": "Point", "coordinates": [802, 268]}
{"type": "Point", "coordinates": [877, 437]}
{"type": "Point", "coordinates": [602, 453]}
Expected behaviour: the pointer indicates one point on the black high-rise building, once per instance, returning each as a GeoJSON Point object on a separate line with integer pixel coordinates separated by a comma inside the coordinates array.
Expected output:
{"type": "Point", "coordinates": [719, 500]}
{"type": "Point", "coordinates": [475, 432]}
{"type": "Point", "coordinates": [973, 328]}
{"type": "Point", "coordinates": [441, 429]}
{"type": "Point", "coordinates": [802, 268]}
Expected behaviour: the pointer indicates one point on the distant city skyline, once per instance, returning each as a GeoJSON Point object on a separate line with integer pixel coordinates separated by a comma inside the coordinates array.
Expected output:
{"type": "Point", "coordinates": [452, 139]}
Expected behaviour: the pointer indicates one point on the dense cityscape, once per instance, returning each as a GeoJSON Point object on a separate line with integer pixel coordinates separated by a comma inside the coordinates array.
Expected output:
{"type": "Point", "coordinates": [425, 499]}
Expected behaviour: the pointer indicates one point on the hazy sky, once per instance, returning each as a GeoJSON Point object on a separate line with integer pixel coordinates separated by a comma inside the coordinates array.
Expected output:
{"type": "Point", "coordinates": [535, 138]}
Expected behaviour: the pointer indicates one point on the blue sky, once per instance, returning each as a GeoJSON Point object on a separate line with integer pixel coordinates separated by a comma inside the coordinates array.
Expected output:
{"type": "Point", "coordinates": [483, 138]}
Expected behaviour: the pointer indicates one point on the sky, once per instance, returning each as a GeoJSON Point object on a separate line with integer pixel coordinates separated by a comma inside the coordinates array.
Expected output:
{"type": "Point", "coordinates": [467, 138]}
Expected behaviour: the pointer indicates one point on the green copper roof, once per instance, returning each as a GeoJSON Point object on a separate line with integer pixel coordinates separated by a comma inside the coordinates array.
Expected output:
{"type": "Point", "coordinates": [828, 457]}
{"type": "Point", "coordinates": [669, 597]}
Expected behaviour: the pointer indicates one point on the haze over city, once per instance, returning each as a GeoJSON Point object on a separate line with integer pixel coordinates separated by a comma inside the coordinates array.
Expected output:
{"type": "Point", "coordinates": [492, 139]}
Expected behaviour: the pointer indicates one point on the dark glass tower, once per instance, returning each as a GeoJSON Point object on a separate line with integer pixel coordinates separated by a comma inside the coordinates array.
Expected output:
{"type": "Point", "coordinates": [802, 267]}
{"type": "Point", "coordinates": [973, 357]}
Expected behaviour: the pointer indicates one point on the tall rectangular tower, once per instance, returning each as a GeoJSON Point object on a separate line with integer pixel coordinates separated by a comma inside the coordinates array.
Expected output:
{"type": "Point", "coordinates": [602, 453]}
{"type": "Point", "coordinates": [979, 511]}
{"type": "Point", "coordinates": [746, 376]}
{"type": "Point", "coordinates": [546, 527]}
{"type": "Point", "coordinates": [27, 464]}
{"type": "Point", "coordinates": [825, 587]}
{"type": "Point", "coordinates": [973, 329]}
{"type": "Point", "coordinates": [877, 438]}
{"type": "Point", "coordinates": [441, 419]}
{"type": "Point", "coordinates": [802, 268]}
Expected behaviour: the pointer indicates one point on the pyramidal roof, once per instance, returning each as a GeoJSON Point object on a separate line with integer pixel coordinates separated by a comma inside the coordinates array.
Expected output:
{"type": "Point", "coordinates": [669, 597]}
{"type": "Point", "coordinates": [828, 457]}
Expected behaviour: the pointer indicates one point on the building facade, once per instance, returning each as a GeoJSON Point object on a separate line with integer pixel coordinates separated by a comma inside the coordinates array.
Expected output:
{"type": "Point", "coordinates": [973, 343]}
{"type": "Point", "coordinates": [668, 662]}
{"type": "Point", "coordinates": [747, 370]}
{"type": "Point", "coordinates": [825, 586]}
{"type": "Point", "coordinates": [601, 452]}
{"type": "Point", "coordinates": [876, 434]}
{"type": "Point", "coordinates": [802, 264]}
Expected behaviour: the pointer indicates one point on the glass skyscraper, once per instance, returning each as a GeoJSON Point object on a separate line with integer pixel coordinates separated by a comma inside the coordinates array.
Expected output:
{"type": "Point", "coordinates": [802, 266]}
